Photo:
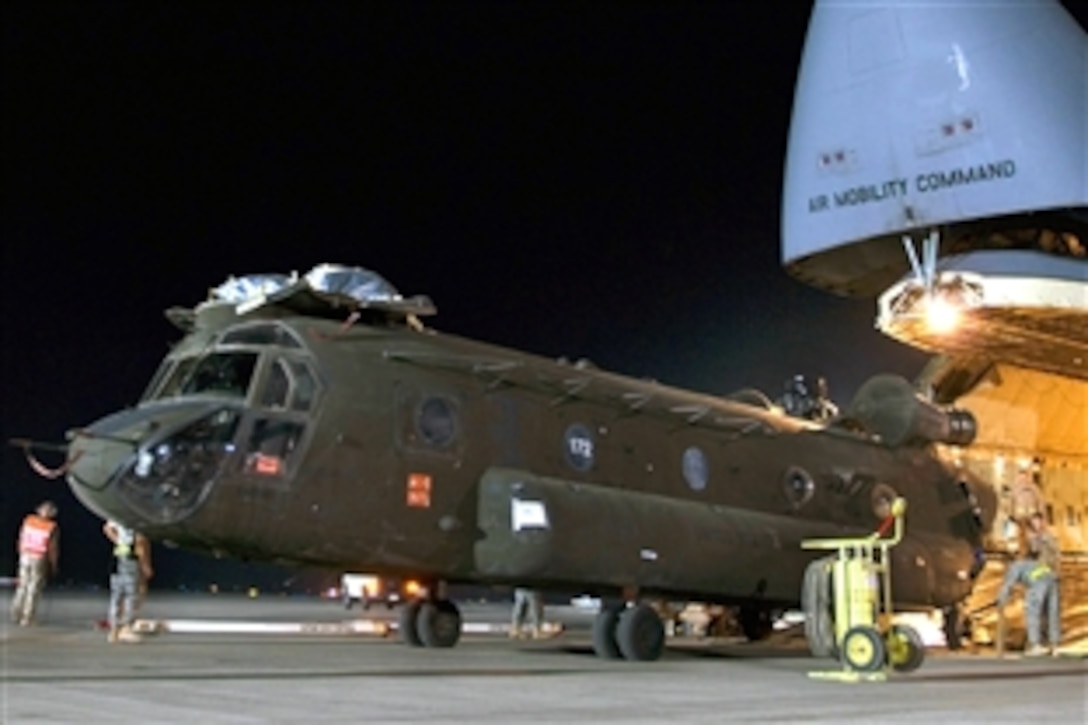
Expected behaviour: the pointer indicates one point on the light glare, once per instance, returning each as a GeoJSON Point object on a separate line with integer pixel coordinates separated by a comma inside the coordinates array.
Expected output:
{"type": "Point", "coordinates": [942, 316]}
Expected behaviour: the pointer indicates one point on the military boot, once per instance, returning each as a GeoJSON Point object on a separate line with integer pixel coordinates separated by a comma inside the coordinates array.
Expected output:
{"type": "Point", "coordinates": [128, 635]}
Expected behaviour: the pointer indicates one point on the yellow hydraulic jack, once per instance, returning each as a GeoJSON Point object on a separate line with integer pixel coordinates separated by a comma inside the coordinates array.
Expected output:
{"type": "Point", "coordinates": [866, 641]}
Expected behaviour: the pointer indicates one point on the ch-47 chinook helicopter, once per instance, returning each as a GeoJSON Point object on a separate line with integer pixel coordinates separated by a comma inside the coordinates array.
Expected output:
{"type": "Point", "coordinates": [315, 421]}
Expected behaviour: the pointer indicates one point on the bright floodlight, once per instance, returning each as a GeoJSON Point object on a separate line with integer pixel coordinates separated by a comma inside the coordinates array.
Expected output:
{"type": "Point", "coordinates": [942, 315]}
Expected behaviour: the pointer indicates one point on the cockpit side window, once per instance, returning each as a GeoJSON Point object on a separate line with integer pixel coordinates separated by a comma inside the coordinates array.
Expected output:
{"type": "Point", "coordinates": [271, 446]}
{"type": "Point", "coordinates": [169, 378]}
{"type": "Point", "coordinates": [156, 382]}
{"type": "Point", "coordinates": [305, 385]}
{"type": "Point", "coordinates": [288, 385]}
{"type": "Point", "coordinates": [277, 387]}
{"type": "Point", "coordinates": [227, 373]}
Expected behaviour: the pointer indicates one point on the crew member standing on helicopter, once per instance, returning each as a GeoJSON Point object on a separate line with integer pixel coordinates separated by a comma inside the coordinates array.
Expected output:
{"type": "Point", "coordinates": [803, 398]}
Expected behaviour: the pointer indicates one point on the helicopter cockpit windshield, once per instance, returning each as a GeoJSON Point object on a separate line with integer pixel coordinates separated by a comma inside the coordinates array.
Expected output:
{"type": "Point", "coordinates": [224, 373]}
{"type": "Point", "coordinates": [241, 407]}
{"type": "Point", "coordinates": [229, 367]}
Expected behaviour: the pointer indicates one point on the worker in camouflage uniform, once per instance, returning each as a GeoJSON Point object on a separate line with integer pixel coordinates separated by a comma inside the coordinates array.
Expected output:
{"type": "Point", "coordinates": [132, 553]}
{"type": "Point", "coordinates": [1041, 584]}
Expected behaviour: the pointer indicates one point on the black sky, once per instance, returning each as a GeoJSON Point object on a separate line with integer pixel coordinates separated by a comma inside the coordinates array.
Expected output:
{"type": "Point", "coordinates": [591, 179]}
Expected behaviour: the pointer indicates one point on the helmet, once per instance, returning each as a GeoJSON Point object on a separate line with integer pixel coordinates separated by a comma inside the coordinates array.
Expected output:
{"type": "Point", "coordinates": [797, 384]}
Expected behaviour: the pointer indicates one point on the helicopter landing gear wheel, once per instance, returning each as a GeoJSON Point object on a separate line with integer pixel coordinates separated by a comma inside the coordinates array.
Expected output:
{"type": "Point", "coordinates": [640, 634]}
{"type": "Point", "coordinates": [406, 624]}
{"type": "Point", "coordinates": [439, 623]}
{"type": "Point", "coordinates": [604, 632]}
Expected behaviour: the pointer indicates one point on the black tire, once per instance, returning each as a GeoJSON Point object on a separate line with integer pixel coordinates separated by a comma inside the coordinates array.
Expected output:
{"type": "Point", "coordinates": [816, 604]}
{"type": "Point", "coordinates": [604, 632]}
{"type": "Point", "coordinates": [756, 622]}
{"type": "Point", "coordinates": [439, 623]}
{"type": "Point", "coordinates": [409, 632]}
{"type": "Point", "coordinates": [863, 649]}
{"type": "Point", "coordinates": [640, 634]}
{"type": "Point", "coordinates": [906, 651]}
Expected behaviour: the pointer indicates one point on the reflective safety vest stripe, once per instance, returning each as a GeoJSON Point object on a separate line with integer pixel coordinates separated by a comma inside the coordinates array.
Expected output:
{"type": "Point", "coordinates": [1039, 571]}
{"type": "Point", "coordinates": [126, 538]}
{"type": "Point", "coordinates": [35, 534]}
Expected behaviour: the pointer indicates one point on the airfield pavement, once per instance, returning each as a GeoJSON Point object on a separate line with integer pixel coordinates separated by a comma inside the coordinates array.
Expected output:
{"type": "Point", "coordinates": [64, 671]}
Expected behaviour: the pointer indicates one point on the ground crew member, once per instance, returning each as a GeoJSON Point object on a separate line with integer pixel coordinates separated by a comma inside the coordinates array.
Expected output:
{"type": "Point", "coordinates": [1041, 585]}
{"type": "Point", "coordinates": [1043, 546]}
{"type": "Point", "coordinates": [132, 554]}
{"type": "Point", "coordinates": [527, 602]}
{"type": "Point", "coordinates": [1025, 499]}
{"type": "Point", "coordinates": [39, 552]}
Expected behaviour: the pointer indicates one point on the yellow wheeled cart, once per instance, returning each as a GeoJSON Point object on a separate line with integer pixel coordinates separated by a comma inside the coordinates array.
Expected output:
{"type": "Point", "coordinates": [866, 641]}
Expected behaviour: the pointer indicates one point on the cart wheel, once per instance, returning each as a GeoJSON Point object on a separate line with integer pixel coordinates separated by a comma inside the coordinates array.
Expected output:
{"type": "Point", "coordinates": [905, 648]}
{"type": "Point", "coordinates": [863, 649]}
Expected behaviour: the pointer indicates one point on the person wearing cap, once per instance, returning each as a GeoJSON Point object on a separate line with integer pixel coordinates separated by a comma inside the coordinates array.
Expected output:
{"type": "Point", "coordinates": [39, 553]}
{"type": "Point", "coordinates": [132, 553]}
{"type": "Point", "coordinates": [1043, 546]}
{"type": "Point", "coordinates": [1041, 594]}
{"type": "Point", "coordinates": [808, 398]}
{"type": "Point", "coordinates": [1025, 498]}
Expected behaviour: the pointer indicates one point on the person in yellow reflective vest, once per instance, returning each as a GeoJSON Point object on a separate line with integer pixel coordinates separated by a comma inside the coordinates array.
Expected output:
{"type": "Point", "coordinates": [132, 554]}
{"type": "Point", "coordinates": [1040, 583]}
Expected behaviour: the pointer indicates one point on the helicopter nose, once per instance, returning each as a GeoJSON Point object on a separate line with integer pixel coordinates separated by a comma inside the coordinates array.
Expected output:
{"type": "Point", "coordinates": [95, 463]}
{"type": "Point", "coordinates": [153, 465]}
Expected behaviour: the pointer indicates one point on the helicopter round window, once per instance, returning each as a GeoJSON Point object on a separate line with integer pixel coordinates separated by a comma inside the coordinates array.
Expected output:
{"type": "Point", "coordinates": [798, 486]}
{"type": "Point", "coordinates": [695, 467]}
{"type": "Point", "coordinates": [881, 499]}
{"type": "Point", "coordinates": [578, 447]}
{"type": "Point", "coordinates": [437, 422]}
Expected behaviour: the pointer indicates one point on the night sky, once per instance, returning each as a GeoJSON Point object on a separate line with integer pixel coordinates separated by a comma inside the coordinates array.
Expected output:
{"type": "Point", "coordinates": [597, 180]}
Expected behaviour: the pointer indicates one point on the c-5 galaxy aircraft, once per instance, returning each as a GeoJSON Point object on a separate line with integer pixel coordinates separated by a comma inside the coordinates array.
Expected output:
{"type": "Point", "coordinates": [316, 421]}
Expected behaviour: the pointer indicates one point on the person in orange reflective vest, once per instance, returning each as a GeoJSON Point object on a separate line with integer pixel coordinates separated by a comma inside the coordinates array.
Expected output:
{"type": "Point", "coordinates": [39, 552]}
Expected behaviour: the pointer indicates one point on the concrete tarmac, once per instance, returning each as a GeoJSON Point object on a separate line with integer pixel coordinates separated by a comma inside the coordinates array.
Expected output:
{"type": "Point", "coordinates": [64, 671]}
